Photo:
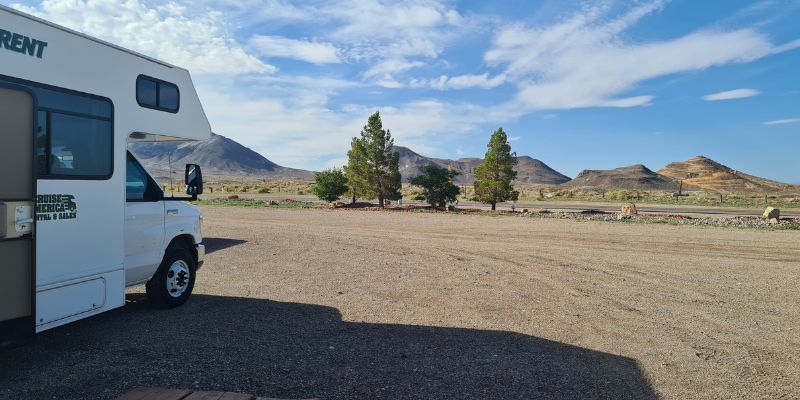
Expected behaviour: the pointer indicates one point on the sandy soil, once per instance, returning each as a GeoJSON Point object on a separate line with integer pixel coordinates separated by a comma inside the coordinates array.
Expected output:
{"type": "Point", "coordinates": [357, 304]}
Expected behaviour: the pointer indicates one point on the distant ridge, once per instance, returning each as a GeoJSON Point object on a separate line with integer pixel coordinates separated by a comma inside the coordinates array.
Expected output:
{"type": "Point", "coordinates": [707, 174]}
{"type": "Point", "coordinates": [529, 170]}
{"type": "Point", "coordinates": [634, 177]}
{"type": "Point", "coordinates": [220, 158]}
{"type": "Point", "coordinates": [225, 159]}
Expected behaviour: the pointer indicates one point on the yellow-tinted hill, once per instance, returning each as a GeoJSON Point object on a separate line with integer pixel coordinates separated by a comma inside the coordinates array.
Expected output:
{"type": "Point", "coordinates": [706, 174]}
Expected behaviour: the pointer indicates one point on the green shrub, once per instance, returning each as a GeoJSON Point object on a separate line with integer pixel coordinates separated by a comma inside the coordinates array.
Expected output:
{"type": "Point", "coordinates": [437, 184]}
{"type": "Point", "coordinates": [619, 194]}
{"type": "Point", "coordinates": [329, 185]}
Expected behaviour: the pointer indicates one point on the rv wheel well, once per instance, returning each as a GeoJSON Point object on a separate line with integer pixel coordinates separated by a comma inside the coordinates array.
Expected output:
{"type": "Point", "coordinates": [184, 241]}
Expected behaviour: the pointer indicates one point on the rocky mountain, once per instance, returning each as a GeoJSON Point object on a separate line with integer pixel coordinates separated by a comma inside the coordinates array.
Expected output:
{"type": "Point", "coordinates": [220, 158]}
{"type": "Point", "coordinates": [634, 177]}
{"type": "Point", "coordinates": [529, 170]}
{"type": "Point", "coordinates": [707, 174]}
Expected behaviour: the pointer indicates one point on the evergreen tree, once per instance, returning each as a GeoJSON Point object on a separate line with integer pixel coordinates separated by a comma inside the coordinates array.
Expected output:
{"type": "Point", "coordinates": [437, 184]}
{"type": "Point", "coordinates": [356, 172]}
{"type": "Point", "coordinates": [330, 184]}
{"type": "Point", "coordinates": [494, 176]}
{"type": "Point", "coordinates": [374, 165]}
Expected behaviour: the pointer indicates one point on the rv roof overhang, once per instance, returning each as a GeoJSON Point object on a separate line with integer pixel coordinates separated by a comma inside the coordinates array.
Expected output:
{"type": "Point", "coordinates": [78, 62]}
{"type": "Point", "coordinates": [152, 137]}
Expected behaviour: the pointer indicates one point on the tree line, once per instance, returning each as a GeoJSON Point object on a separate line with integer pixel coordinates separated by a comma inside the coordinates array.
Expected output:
{"type": "Point", "coordinates": [373, 172]}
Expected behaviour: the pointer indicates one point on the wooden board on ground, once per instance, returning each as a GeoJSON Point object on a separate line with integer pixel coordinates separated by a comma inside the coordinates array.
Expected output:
{"type": "Point", "coordinates": [181, 394]}
{"type": "Point", "coordinates": [185, 394]}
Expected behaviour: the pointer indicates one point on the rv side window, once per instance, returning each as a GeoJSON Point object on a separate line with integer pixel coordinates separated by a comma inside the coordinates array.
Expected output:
{"type": "Point", "coordinates": [157, 94]}
{"type": "Point", "coordinates": [79, 146]}
{"type": "Point", "coordinates": [73, 146]}
{"type": "Point", "coordinates": [74, 133]}
{"type": "Point", "coordinates": [147, 92]}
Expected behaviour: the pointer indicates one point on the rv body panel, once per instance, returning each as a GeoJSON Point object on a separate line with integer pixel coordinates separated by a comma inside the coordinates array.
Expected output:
{"type": "Point", "coordinates": [83, 242]}
{"type": "Point", "coordinates": [144, 240]}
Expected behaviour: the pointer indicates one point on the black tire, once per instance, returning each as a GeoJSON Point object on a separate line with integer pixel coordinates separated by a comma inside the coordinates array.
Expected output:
{"type": "Point", "coordinates": [158, 287]}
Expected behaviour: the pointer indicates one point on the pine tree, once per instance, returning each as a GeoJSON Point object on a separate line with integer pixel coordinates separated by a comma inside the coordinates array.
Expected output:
{"type": "Point", "coordinates": [494, 176]}
{"type": "Point", "coordinates": [356, 172]}
{"type": "Point", "coordinates": [373, 163]}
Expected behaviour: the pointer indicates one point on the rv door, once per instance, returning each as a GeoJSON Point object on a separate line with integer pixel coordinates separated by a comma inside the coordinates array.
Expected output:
{"type": "Point", "coordinates": [16, 216]}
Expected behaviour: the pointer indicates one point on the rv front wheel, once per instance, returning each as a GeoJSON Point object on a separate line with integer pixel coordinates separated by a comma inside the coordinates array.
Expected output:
{"type": "Point", "coordinates": [173, 282]}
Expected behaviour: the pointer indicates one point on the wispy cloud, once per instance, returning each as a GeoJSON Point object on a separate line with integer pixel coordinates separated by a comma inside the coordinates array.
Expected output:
{"type": "Point", "coordinates": [444, 82]}
{"type": "Point", "coordinates": [308, 51]}
{"type": "Point", "coordinates": [783, 121]}
{"type": "Point", "coordinates": [383, 73]}
{"type": "Point", "coordinates": [731, 94]}
{"type": "Point", "coordinates": [589, 61]}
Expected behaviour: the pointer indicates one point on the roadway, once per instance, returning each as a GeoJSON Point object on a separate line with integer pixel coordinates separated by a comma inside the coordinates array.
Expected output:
{"type": "Point", "coordinates": [553, 205]}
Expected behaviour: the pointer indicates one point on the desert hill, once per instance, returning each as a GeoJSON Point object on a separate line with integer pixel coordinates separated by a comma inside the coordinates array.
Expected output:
{"type": "Point", "coordinates": [634, 177]}
{"type": "Point", "coordinates": [707, 174]}
{"type": "Point", "coordinates": [529, 170]}
{"type": "Point", "coordinates": [220, 158]}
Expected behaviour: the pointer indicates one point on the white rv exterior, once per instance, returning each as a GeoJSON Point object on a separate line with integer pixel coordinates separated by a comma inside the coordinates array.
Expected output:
{"type": "Point", "coordinates": [94, 232]}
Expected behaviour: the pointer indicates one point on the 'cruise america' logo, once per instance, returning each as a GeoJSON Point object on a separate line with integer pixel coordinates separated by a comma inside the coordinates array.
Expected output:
{"type": "Point", "coordinates": [54, 207]}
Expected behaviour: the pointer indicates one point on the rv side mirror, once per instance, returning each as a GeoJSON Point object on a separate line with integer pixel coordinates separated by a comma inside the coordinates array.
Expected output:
{"type": "Point", "coordinates": [194, 180]}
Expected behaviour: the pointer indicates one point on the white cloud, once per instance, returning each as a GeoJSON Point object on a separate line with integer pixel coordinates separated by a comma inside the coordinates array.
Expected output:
{"type": "Point", "coordinates": [588, 61]}
{"type": "Point", "coordinates": [312, 52]}
{"type": "Point", "coordinates": [731, 94]}
{"type": "Point", "coordinates": [414, 28]}
{"type": "Point", "coordinates": [445, 82]}
{"type": "Point", "coordinates": [167, 32]}
{"type": "Point", "coordinates": [783, 121]}
{"type": "Point", "coordinates": [383, 72]}
{"type": "Point", "coordinates": [514, 138]}
{"type": "Point", "coordinates": [395, 36]}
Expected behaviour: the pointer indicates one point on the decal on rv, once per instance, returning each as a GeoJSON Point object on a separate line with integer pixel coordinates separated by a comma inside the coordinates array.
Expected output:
{"type": "Point", "coordinates": [21, 44]}
{"type": "Point", "coordinates": [54, 207]}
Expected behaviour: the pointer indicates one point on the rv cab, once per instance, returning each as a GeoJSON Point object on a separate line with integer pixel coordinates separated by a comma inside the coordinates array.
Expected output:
{"type": "Point", "coordinates": [80, 218]}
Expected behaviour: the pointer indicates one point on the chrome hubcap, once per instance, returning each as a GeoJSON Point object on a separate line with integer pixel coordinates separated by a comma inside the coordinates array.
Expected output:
{"type": "Point", "coordinates": [178, 278]}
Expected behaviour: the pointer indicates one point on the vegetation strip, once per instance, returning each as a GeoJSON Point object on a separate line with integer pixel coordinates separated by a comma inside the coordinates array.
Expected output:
{"type": "Point", "coordinates": [588, 215]}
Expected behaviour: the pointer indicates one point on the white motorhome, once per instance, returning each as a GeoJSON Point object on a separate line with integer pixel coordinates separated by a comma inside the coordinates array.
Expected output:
{"type": "Point", "coordinates": [80, 219]}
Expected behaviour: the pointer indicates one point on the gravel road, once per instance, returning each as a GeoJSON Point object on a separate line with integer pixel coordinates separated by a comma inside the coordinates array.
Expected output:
{"type": "Point", "coordinates": [346, 304]}
{"type": "Point", "coordinates": [561, 205]}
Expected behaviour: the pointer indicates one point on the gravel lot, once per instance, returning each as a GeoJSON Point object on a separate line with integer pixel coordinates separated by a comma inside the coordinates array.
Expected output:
{"type": "Point", "coordinates": [340, 304]}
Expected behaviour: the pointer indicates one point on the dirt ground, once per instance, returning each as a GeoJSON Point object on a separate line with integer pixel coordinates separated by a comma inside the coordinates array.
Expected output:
{"type": "Point", "coordinates": [341, 304]}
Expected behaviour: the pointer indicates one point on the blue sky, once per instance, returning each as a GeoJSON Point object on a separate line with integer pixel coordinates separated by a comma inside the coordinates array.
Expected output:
{"type": "Point", "coordinates": [579, 85]}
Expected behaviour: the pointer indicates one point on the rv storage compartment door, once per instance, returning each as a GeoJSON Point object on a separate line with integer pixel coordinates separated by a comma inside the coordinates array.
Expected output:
{"type": "Point", "coordinates": [66, 301]}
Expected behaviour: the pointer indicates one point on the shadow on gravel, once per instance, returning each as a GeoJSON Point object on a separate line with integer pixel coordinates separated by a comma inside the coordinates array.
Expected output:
{"type": "Point", "coordinates": [216, 244]}
{"type": "Point", "coordinates": [290, 350]}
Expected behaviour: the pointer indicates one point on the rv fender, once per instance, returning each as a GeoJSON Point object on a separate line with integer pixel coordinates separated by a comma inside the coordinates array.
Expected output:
{"type": "Point", "coordinates": [186, 241]}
